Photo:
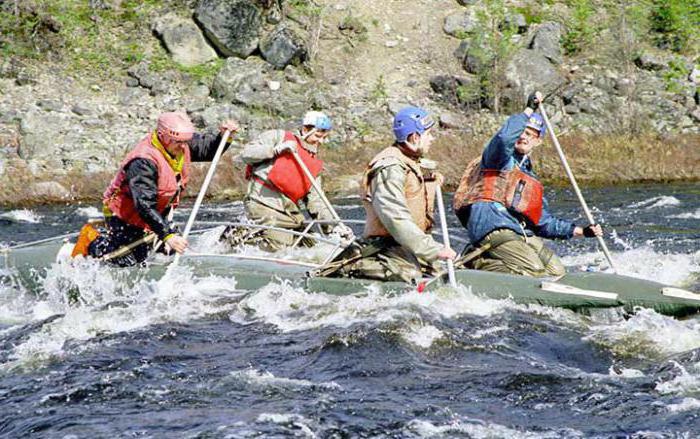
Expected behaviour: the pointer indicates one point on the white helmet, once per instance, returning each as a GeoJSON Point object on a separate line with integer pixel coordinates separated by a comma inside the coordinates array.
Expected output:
{"type": "Point", "coordinates": [317, 120]}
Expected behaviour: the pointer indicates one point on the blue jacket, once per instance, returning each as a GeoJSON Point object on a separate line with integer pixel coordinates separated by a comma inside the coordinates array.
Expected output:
{"type": "Point", "coordinates": [487, 216]}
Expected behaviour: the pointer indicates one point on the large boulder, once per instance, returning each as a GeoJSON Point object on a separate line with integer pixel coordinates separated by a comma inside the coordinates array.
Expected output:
{"type": "Point", "coordinates": [546, 39]}
{"type": "Point", "coordinates": [527, 71]}
{"type": "Point", "coordinates": [238, 76]}
{"type": "Point", "coordinates": [283, 46]}
{"type": "Point", "coordinates": [233, 26]}
{"type": "Point", "coordinates": [183, 39]}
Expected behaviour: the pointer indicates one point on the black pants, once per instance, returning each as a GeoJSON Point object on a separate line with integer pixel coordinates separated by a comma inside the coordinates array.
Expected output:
{"type": "Point", "coordinates": [117, 235]}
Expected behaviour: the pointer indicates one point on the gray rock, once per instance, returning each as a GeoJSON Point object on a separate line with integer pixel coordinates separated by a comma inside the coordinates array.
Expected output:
{"type": "Point", "coordinates": [131, 96]}
{"type": "Point", "coordinates": [131, 82]}
{"type": "Point", "coordinates": [199, 91]}
{"type": "Point", "coordinates": [81, 110]}
{"type": "Point", "coordinates": [183, 39]}
{"type": "Point", "coordinates": [41, 133]}
{"type": "Point", "coordinates": [572, 109]}
{"type": "Point", "coordinates": [232, 26]}
{"type": "Point", "coordinates": [517, 21]}
{"type": "Point", "coordinates": [527, 71]}
{"type": "Point", "coordinates": [160, 87]}
{"type": "Point", "coordinates": [24, 78]}
{"type": "Point", "coordinates": [235, 74]}
{"type": "Point", "coordinates": [694, 76]}
{"type": "Point", "coordinates": [283, 46]}
{"type": "Point", "coordinates": [49, 105]}
{"type": "Point", "coordinates": [624, 86]}
{"type": "Point", "coordinates": [457, 89]}
{"type": "Point", "coordinates": [49, 189]}
{"type": "Point", "coordinates": [467, 2]}
{"type": "Point", "coordinates": [546, 41]}
{"type": "Point", "coordinates": [459, 23]}
{"type": "Point", "coordinates": [695, 114]}
{"type": "Point", "coordinates": [450, 121]}
{"type": "Point", "coordinates": [649, 61]}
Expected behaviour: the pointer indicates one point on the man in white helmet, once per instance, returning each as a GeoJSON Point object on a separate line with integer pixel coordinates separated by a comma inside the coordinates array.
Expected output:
{"type": "Point", "coordinates": [398, 193]}
{"type": "Point", "coordinates": [278, 189]}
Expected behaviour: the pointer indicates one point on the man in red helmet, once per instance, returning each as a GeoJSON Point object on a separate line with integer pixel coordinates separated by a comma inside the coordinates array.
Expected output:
{"type": "Point", "coordinates": [147, 189]}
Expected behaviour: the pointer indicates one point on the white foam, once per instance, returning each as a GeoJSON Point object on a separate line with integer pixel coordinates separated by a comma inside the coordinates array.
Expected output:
{"type": "Point", "coordinates": [687, 404]}
{"type": "Point", "coordinates": [687, 215]}
{"type": "Point", "coordinates": [422, 335]}
{"type": "Point", "coordinates": [175, 298]}
{"type": "Point", "coordinates": [478, 429]}
{"type": "Point", "coordinates": [292, 419]}
{"type": "Point", "coordinates": [654, 202]}
{"type": "Point", "coordinates": [645, 263]}
{"type": "Point", "coordinates": [292, 309]}
{"type": "Point", "coordinates": [22, 216]}
{"type": "Point", "coordinates": [687, 381]}
{"type": "Point", "coordinates": [257, 379]}
{"type": "Point", "coordinates": [647, 334]}
{"type": "Point", "coordinates": [88, 212]}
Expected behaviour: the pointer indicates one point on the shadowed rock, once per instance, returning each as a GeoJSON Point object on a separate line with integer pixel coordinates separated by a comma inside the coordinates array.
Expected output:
{"type": "Point", "coordinates": [232, 26]}
{"type": "Point", "coordinates": [282, 47]}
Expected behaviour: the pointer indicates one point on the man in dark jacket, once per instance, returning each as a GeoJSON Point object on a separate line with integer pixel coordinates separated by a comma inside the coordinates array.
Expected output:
{"type": "Point", "coordinates": [501, 202]}
{"type": "Point", "coordinates": [147, 189]}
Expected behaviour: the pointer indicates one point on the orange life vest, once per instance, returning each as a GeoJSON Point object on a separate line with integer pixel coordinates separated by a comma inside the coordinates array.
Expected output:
{"type": "Point", "coordinates": [514, 188]}
{"type": "Point", "coordinates": [420, 194]}
{"type": "Point", "coordinates": [117, 198]}
{"type": "Point", "coordinates": [286, 176]}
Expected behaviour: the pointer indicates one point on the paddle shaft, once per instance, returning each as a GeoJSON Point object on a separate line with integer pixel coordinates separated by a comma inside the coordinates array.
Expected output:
{"type": "Point", "coordinates": [203, 190]}
{"type": "Point", "coordinates": [572, 179]}
{"type": "Point", "coordinates": [315, 185]}
{"type": "Point", "coordinates": [445, 235]}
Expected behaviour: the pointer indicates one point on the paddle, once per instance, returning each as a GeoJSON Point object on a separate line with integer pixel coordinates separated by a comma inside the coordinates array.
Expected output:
{"type": "Point", "coordinates": [315, 185]}
{"type": "Point", "coordinates": [200, 196]}
{"type": "Point", "coordinates": [445, 235]}
{"type": "Point", "coordinates": [572, 179]}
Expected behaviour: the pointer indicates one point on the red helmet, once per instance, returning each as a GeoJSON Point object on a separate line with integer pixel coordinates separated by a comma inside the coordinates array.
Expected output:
{"type": "Point", "coordinates": [176, 126]}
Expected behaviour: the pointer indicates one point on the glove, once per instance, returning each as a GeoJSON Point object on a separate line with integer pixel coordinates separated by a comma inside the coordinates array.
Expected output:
{"type": "Point", "coordinates": [284, 146]}
{"type": "Point", "coordinates": [533, 101]}
{"type": "Point", "coordinates": [344, 232]}
{"type": "Point", "coordinates": [588, 231]}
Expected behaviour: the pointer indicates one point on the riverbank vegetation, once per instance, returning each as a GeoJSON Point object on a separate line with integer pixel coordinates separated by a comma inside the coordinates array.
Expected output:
{"type": "Point", "coordinates": [595, 160]}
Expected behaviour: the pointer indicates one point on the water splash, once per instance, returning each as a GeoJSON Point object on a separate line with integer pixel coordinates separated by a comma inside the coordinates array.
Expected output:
{"type": "Point", "coordinates": [687, 215]}
{"type": "Point", "coordinates": [22, 216]}
{"type": "Point", "coordinates": [646, 334]}
{"type": "Point", "coordinates": [655, 202]}
{"type": "Point", "coordinates": [645, 263]}
{"type": "Point", "coordinates": [478, 429]}
{"type": "Point", "coordinates": [88, 212]}
{"type": "Point", "coordinates": [109, 303]}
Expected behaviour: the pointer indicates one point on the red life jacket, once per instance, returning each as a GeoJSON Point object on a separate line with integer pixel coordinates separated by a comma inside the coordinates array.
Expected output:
{"type": "Point", "coordinates": [286, 176]}
{"type": "Point", "coordinates": [117, 198]}
{"type": "Point", "coordinates": [515, 189]}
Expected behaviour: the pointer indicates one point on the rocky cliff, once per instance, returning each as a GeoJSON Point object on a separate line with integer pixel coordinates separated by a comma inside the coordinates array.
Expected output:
{"type": "Point", "coordinates": [82, 80]}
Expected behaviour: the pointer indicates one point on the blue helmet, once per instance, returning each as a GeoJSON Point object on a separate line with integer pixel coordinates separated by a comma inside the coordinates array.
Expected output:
{"type": "Point", "coordinates": [411, 120]}
{"type": "Point", "coordinates": [317, 120]}
{"type": "Point", "coordinates": [537, 122]}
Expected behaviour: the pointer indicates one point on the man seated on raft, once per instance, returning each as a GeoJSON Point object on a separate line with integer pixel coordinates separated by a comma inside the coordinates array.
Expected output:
{"type": "Point", "coordinates": [278, 188]}
{"type": "Point", "coordinates": [398, 194]}
{"type": "Point", "coordinates": [147, 189]}
{"type": "Point", "coordinates": [501, 202]}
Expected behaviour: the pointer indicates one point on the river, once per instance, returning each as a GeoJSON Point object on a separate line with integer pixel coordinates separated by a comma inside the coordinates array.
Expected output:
{"type": "Point", "coordinates": [193, 357]}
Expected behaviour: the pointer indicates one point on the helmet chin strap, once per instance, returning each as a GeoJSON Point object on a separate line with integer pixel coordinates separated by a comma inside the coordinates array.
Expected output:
{"type": "Point", "coordinates": [309, 134]}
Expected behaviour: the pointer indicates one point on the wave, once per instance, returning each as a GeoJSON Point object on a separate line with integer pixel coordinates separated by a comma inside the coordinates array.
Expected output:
{"type": "Point", "coordinates": [687, 215]}
{"type": "Point", "coordinates": [655, 202]}
{"type": "Point", "coordinates": [88, 212]}
{"type": "Point", "coordinates": [22, 216]}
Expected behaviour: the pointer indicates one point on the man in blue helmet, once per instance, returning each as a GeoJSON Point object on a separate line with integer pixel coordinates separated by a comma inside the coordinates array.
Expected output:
{"type": "Point", "coordinates": [501, 203]}
{"type": "Point", "coordinates": [398, 193]}
{"type": "Point", "coordinates": [278, 188]}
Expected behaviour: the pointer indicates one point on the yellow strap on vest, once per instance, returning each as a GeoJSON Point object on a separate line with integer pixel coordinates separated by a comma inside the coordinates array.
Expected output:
{"type": "Point", "coordinates": [176, 163]}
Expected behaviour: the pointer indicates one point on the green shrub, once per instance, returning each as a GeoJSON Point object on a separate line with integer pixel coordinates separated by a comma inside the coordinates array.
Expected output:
{"type": "Point", "coordinates": [579, 30]}
{"type": "Point", "coordinates": [676, 23]}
